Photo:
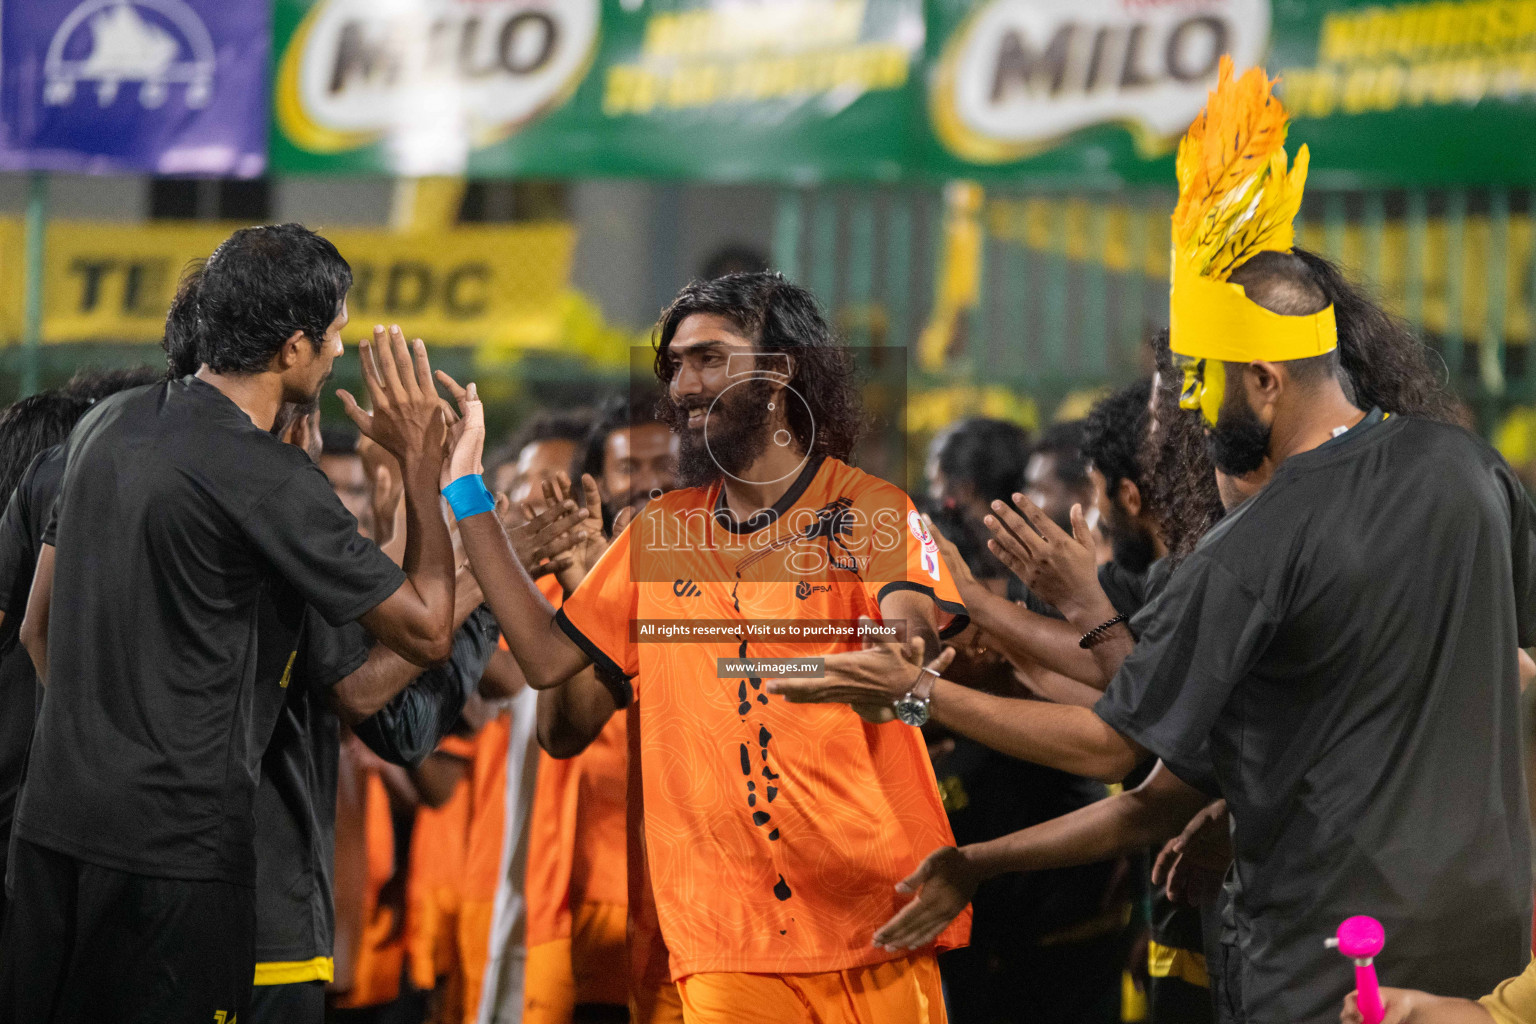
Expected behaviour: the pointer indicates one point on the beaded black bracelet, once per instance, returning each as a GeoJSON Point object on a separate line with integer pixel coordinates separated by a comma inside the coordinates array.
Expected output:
{"type": "Point", "coordinates": [1099, 632]}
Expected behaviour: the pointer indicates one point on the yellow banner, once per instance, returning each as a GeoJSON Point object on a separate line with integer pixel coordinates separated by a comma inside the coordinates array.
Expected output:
{"type": "Point", "coordinates": [503, 287]}
{"type": "Point", "coordinates": [1448, 280]}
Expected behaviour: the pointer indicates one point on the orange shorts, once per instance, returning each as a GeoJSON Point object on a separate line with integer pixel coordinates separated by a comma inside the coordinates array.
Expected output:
{"type": "Point", "coordinates": [905, 991]}
{"type": "Point", "coordinates": [474, 952]}
{"type": "Point", "coordinates": [432, 923]}
{"type": "Point", "coordinates": [586, 968]}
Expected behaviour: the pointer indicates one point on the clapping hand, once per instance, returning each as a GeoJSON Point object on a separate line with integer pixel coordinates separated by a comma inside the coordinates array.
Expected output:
{"type": "Point", "coordinates": [588, 543]}
{"type": "Point", "coordinates": [405, 417]}
{"type": "Point", "coordinates": [542, 539]}
{"type": "Point", "coordinates": [1061, 569]}
{"type": "Point", "coordinates": [465, 439]}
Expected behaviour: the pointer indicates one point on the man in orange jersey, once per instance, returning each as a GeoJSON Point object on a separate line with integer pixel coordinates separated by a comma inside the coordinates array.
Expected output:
{"type": "Point", "coordinates": [434, 889]}
{"type": "Point", "coordinates": [578, 898]}
{"type": "Point", "coordinates": [776, 833]}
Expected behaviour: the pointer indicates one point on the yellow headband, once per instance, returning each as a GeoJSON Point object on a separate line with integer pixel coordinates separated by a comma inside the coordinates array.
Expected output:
{"type": "Point", "coordinates": [1209, 319]}
{"type": "Point", "coordinates": [1237, 199]}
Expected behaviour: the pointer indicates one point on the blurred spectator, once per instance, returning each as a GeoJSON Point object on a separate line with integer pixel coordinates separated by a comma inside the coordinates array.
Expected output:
{"type": "Point", "coordinates": [343, 466]}
{"type": "Point", "coordinates": [630, 453]}
{"type": "Point", "coordinates": [1113, 435]}
{"type": "Point", "coordinates": [92, 385]}
{"type": "Point", "coordinates": [1056, 477]}
{"type": "Point", "coordinates": [549, 440]}
{"type": "Point", "coordinates": [972, 463]}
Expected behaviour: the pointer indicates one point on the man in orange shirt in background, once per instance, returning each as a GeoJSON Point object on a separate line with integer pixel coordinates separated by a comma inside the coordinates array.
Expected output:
{"type": "Point", "coordinates": [577, 886]}
{"type": "Point", "coordinates": [776, 832]}
{"type": "Point", "coordinates": [479, 938]}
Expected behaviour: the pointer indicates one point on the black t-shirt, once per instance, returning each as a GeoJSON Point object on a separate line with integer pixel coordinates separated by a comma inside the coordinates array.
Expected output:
{"type": "Point", "coordinates": [177, 519]}
{"type": "Point", "coordinates": [21, 537]}
{"type": "Point", "coordinates": [296, 804]}
{"type": "Point", "coordinates": [1341, 652]}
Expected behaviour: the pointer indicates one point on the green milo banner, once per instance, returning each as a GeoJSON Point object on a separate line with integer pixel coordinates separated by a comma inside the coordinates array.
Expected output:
{"type": "Point", "coordinates": [1078, 91]}
{"type": "Point", "coordinates": [790, 90]}
{"type": "Point", "coordinates": [1047, 92]}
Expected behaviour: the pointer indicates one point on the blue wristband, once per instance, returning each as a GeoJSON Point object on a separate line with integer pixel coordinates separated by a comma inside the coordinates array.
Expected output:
{"type": "Point", "coordinates": [468, 496]}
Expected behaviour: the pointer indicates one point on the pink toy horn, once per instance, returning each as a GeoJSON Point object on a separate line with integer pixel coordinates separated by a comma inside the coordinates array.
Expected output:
{"type": "Point", "coordinates": [1360, 938]}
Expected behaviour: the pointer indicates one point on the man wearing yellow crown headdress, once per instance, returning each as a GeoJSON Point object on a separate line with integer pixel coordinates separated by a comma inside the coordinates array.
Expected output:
{"type": "Point", "coordinates": [1336, 658]}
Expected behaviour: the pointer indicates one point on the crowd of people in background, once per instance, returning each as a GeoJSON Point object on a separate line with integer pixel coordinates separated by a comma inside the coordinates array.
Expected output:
{"type": "Point", "coordinates": [359, 721]}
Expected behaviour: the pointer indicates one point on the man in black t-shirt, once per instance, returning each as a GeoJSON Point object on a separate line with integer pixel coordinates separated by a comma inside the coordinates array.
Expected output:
{"type": "Point", "coordinates": [27, 429]}
{"type": "Point", "coordinates": [1337, 659]}
{"type": "Point", "coordinates": [338, 674]}
{"type": "Point", "coordinates": [32, 432]}
{"type": "Point", "coordinates": [179, 516]}
{"type": "Point", "coordinates": [1115, 436]}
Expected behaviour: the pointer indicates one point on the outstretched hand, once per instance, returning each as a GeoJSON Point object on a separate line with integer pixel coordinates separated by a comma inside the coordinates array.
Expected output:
{"type": "Point", "coordinates": [941, 886]}
{"type": "Point", "coordinates": [1193, 864]}
{"type": "Point", "coordinates": [1061, 569]}
{"type": "Point", "coordinates": [466, 436]}
{"type": "Point", "coordinates": [405, 417]}
{"type": "Point", "coordinates": [870, 680]}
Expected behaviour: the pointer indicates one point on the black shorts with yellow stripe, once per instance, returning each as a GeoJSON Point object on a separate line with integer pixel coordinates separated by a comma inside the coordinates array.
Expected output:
{"type": "Point", "coordinates": [1179, 987]}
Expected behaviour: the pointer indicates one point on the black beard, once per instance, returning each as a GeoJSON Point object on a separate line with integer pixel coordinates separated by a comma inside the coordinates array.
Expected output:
{"type": "Point", "coordinates": [1239, 441]}
{"type": "Point", "coordinates": [1129, 544]}
{"type": "Point", "coordinates": [737, 428]}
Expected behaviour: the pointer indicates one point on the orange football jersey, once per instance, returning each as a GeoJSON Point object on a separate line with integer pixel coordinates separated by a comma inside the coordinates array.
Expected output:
{"type": "Point", "coordinates": [775, 832]}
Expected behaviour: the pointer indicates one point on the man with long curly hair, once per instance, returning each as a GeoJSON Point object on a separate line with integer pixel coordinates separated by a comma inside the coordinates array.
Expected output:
{"type": "Point", "coordinates": [775, 834]}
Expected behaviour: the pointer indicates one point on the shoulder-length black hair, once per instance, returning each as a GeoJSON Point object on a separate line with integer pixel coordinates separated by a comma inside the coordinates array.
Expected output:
{"type": "Point", "coordinates": [781, 317]}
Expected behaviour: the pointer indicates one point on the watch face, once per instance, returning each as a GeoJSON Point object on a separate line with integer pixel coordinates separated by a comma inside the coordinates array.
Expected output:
{"type": "Point", "coordinates": [912, 711]}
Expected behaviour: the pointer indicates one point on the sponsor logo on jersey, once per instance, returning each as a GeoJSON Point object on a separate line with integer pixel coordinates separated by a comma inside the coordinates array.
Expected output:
{"type": "Point", "coordinates": [930, 549]}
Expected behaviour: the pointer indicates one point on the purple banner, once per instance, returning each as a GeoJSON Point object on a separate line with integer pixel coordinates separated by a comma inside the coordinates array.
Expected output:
{"type": "Point", "coordinates": [146, 86]}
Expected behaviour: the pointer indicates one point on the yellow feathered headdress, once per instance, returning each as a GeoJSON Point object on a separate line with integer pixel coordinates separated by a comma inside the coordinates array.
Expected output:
{"type": "Point", "coordinates": [1236, 198]}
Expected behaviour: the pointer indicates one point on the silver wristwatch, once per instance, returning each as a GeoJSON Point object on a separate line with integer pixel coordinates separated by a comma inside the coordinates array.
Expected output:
{"type": "Point", "coordinates": [913, 708]}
